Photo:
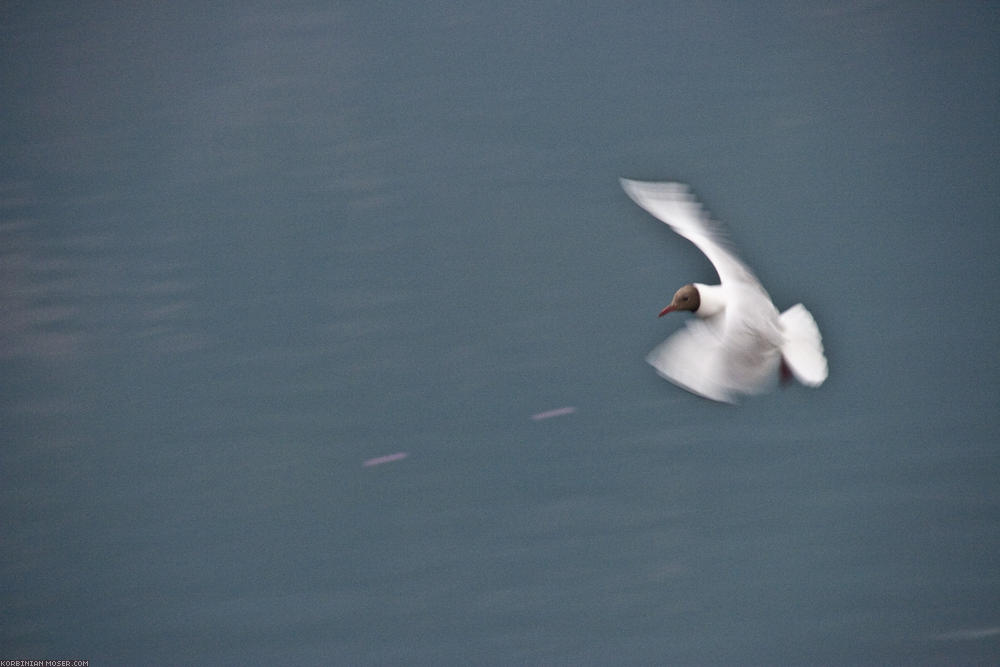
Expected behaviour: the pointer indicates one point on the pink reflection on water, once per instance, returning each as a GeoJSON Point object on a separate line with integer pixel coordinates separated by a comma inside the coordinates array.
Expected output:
{"type": "Point", "coordinates": [388, 458]}
{"type": "Point", "coordinates": [558, 412]}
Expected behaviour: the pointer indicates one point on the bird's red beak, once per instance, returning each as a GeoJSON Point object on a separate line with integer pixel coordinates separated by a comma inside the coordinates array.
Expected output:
{"type": "Point", "coordinates": [668, 309]}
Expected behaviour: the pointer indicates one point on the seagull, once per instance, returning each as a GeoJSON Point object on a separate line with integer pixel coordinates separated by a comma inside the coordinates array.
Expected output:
{"type": "Point", "coordinates": [738, 343]}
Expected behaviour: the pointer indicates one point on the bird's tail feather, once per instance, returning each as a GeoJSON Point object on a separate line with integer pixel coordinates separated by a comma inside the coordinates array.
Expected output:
{"type": "Point", "coordinates": [803, 346]}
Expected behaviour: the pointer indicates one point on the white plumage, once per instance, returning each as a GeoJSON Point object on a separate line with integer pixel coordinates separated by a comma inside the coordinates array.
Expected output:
{"type": "Point", "coordinates": [738, 342]}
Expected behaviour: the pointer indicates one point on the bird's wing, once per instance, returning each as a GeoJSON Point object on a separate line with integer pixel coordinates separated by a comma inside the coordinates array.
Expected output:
{"type": "Point", "coordinates": [674, 204]}
{"type": "Point", "coordinates": [717, 359]}
{"type": "Point", "coordinates": [694, 358]}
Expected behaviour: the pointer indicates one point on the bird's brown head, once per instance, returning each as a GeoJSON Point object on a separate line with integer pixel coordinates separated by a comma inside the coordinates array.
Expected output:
{"type": "Point", "coordinates": [686, 298]}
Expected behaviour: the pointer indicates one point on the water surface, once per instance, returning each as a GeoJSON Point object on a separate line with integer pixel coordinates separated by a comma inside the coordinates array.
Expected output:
{"type": "Point", "coordinates": [245, 250]}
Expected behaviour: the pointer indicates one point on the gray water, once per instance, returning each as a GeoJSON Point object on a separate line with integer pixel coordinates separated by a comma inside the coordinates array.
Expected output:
{"type": "Point", "coordinates": [246, 248]}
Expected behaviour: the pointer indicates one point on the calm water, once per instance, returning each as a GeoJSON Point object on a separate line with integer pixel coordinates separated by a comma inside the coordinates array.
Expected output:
{"type": "Point", "coordinates": [244, 250]}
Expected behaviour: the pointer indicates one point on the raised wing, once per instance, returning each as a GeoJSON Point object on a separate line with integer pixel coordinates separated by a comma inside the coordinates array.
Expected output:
{"type": "Point", "coordinates": [674, 204]}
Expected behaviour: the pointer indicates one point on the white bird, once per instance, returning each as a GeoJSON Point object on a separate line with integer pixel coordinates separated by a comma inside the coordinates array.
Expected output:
{"type": "Point", "coordinates": [739, 342]}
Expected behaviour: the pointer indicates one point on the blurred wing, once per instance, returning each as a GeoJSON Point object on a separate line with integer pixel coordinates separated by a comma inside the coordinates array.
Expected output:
{"type": "Point", "coordinates": [721, 358]}
{"type": "Point", "coordinates": [674, 204]}
{"type": "Point", "coordinates": [694, 358]}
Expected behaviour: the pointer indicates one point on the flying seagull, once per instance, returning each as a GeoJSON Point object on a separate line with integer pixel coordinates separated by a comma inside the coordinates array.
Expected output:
{"type": "Point", "coordinates": [738, 343]}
